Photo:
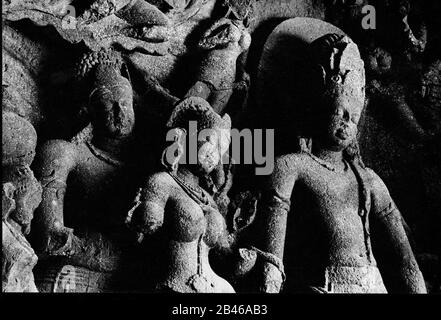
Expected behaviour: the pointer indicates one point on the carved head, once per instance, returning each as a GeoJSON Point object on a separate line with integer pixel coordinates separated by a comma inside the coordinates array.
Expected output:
{"type": "Point", "coordinates": [111, 96]}
{"type": "Point", "coordinates": [212, 134]}
{"type": "Point", "coordinates": [111, 104]}
{"type": "Point", "coordinates": [339, 77]}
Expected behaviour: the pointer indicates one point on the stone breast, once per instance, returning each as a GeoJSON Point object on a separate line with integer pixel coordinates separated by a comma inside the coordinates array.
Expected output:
{"type": "Point", "coordinates": [188, 221]}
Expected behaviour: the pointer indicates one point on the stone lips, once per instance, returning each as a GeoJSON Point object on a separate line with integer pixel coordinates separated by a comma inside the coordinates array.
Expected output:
{"type": "Point", "coordinates": [19, 140]}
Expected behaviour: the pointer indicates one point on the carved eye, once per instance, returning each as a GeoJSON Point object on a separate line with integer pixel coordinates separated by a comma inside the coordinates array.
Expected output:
{"type": "Point", "coordinates": [336, 78]}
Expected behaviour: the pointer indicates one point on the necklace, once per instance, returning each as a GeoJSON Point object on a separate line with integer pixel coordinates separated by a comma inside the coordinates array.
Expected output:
{"type": "Point", "coordinates": [195, 192]}
{"type": "Point", "coordinates": [198, 282]}
{"type": "Point", "coordinates": [325, 163]}
{"type": "Point", "coordinates": [100, 155]}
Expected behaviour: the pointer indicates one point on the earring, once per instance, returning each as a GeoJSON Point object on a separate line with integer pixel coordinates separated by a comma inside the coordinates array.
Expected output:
{"type": "Point", "coordinates": [172, 154]}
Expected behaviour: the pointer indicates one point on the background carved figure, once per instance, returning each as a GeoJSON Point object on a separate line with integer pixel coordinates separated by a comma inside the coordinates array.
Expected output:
{"type": "Point", "coordinates": [80, 222]}
{"type": "Point", "coordinates": [21, 195]}
{"type": "Point", "coordinates": [81, 71]}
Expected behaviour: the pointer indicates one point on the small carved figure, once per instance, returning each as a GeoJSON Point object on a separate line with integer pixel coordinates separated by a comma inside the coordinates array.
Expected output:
{"type": "Point", "coordinates": [216, 81]}
{"type": "Point", "coordinates": [21, 195]}
{"type": "Point", "coordinates": [172, 203]}
{"type": "Point", "coordinates": [80, 223]}
{"type": "Point", "coordinates": [407, 29]}
{"type": "Point", "coordinates": [389, 85]}
{"type": "Point", "coordinates": [342, 220]}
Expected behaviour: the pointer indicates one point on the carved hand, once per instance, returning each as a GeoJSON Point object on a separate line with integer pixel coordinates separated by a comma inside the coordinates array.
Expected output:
{"type": "Point", "coordinates": [59, 241]}
{"type": "Point", "coordinates": [272, 279]}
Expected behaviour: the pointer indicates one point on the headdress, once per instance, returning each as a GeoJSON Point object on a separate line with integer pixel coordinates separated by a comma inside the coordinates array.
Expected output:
{"type": "Point", "coordinates": [101, 69]}
{"type": "Point", "coordinates": [336, 62]}
{"type": "Point", "coordinates": [103, 57]}
{"type": "Point", "coordinates": [197, 109]}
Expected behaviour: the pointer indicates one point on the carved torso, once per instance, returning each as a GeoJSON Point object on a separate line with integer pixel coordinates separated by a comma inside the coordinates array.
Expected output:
{"type": "Point", "coordinates": [190, 233]}
{"type": "Point", "coordinates": [326, 203]}
{"type": "Point", "coordinates": [90, 199]}
{"type": "Point", "coordinates": [325, 232]}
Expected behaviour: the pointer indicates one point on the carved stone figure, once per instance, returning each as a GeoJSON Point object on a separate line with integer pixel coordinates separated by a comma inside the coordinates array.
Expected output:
{"type": "Point", "coordinates": [330, 218]}
{"type": "Point", "coordinates": [406, 29]}
{"type": "Point", "coordinates": [173, 204]}
{"type": "Point", "coordinates": [128, 23]}
{"type": "Point", "coordinates": [21, 195]}
{"type": "Point", "coordinates": [195, 59]}
{"type": "Point", "coordinates": [427, 106]}
{"type": "Point", "coordinates": [388, 84]}
{"type": "Point", "coordinates": [216, 80]}
{"type": "Point", "coordinates": [406, 98]}
{"type": "Point", "coordinates": [220, 80]}
{"type": "Point", "coordinates": [85, 181]}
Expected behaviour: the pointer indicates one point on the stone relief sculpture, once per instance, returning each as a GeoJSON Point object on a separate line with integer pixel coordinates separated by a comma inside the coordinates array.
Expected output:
{"type": "Point", "coordinates": [21, 195]}
{"type": "Point", "coordinates": [226, 39]}
{"type": "Point", "coordinates": [126, 22]}
{"type": "Point", "coordinates": [322, 222]}
{"type": "Point", "coordinates": [330, 191]}
{"type": "Point", "coordinates": [174, 202]}
{"type": "Point", "coordinates": [79, 178]}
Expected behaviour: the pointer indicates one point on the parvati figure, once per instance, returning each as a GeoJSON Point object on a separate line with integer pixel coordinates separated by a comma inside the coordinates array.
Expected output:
{"type": "Point", "coordinates": [173, 205]}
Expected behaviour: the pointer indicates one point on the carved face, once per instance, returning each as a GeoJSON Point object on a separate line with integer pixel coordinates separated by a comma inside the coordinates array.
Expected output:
{"type": "Point", "coordinates": [379, 62]}
{"type": "Point", "coordinates": [341, 121]}
{"type": "Point", "coordinates": [26, 201]}
{"type": "Point", "coordinates": [112, 110]}
{"type": "Point", "coordinates": [212, 145]}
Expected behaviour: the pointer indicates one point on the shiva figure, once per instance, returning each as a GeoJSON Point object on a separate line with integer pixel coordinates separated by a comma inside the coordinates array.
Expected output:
{"type": "Point", "coordinates": [324, 214]}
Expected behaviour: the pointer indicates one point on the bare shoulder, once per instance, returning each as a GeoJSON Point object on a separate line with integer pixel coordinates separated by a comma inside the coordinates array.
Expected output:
{"type": "Point", "coordinates": [285, 173]}
{"type": "Point", "coordinates": [379, 192]}
{"type": "Point", "coordinates": [57, 153]}
{"type": "Point", "coordinates": [376, 182]}
{"type": "Point", "coordinates": [289, 164]}
{"type": "Point", "coordinates": [158, 184]}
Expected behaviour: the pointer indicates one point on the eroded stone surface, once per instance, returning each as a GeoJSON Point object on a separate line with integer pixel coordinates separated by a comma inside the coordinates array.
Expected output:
{"type": "Point", "coordinates": [325, 186]}
{"type": "Point", "coordinates": [21, 195]}
{"type": "Point", "coordinates": [210, 49]}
